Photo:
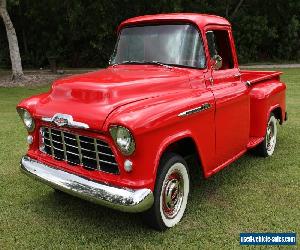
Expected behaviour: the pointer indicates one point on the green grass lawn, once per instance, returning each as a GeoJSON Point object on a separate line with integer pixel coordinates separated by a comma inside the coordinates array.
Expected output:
{"type": "Point", "coordinates": [251, 195]}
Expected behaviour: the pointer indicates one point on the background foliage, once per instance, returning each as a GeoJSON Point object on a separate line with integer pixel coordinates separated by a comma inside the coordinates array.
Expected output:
{"type": "Point", "coordinates": [82, 33]}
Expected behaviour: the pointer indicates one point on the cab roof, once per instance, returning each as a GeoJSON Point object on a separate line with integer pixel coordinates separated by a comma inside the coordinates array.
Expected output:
{"type": "Point", "coordinates": [201, 20]}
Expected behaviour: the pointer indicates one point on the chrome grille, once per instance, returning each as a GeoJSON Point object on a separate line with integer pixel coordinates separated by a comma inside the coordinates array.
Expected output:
{"type": "Point", "coordinates": [91, 153]}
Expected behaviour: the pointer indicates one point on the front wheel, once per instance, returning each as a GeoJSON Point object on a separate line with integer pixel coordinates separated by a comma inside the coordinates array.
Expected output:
{"type": "Point", "coordinates": [170, 193]}
{"type": "Point", "coordinates": [267, 146]}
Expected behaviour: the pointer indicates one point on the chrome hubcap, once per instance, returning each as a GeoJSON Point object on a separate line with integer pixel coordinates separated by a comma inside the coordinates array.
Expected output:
{"type": "Point", "coordinates": [173, 193]}
{"type": "Point", "coordinates": [270, 138]}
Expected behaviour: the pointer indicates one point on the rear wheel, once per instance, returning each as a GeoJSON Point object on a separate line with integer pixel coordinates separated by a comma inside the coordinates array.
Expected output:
{"type": "Point", "coordinates": [267, 146]}
{"type": "Point", "coordinates": [170, 193]}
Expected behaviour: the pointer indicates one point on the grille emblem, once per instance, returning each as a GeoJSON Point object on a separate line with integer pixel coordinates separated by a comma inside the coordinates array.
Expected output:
{"type": "Point", "coordinates": [65, 120]}
{"type": "Point", "coordinates": [60, 121]}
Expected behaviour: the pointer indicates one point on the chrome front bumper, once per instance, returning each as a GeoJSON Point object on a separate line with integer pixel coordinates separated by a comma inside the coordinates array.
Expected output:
{"type": "Point", "coordinates": [123, 199]}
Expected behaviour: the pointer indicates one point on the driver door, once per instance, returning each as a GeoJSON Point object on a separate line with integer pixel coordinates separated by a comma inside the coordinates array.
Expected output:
{"type": "Point", "coordinates": [232, 117]}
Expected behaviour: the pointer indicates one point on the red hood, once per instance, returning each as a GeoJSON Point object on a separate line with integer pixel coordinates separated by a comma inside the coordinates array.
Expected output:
{"type": "Point", "coordinates": [90, 97]}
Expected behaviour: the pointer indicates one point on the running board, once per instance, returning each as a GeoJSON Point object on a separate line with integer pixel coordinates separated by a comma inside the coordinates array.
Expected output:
{"type": "Point", "coordinates": [254, 141]}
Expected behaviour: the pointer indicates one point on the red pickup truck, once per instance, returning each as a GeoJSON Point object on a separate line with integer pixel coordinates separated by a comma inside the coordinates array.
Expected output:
{"type": "Point", "coordinates": [120, 136]}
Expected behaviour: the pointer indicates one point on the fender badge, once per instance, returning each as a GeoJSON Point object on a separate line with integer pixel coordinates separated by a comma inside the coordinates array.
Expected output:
{"type": "Point", "coordinates": [201, 108]}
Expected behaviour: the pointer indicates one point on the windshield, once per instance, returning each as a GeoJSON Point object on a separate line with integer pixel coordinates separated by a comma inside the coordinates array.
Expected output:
{"type": "Point", "coordinates": [173, 44]}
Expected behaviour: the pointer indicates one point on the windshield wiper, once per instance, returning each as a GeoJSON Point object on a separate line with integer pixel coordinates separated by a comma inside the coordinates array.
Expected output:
{"type": "Point", "coordinates": [128, 62]}
{"type": "Point", "coordinates": [143, 62]}
{"type": "Point", "coordinates": [159, 63]}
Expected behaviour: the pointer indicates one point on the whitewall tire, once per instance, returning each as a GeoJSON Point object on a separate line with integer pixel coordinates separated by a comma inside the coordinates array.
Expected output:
{"type": "Point", "coordinates": [267, 146]}
{"type": "Point", "coordinates": [170, 194]}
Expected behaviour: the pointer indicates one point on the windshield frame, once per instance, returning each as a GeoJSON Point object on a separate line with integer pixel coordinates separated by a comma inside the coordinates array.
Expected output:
{"type": "Point", "coordinates": [159, 24]}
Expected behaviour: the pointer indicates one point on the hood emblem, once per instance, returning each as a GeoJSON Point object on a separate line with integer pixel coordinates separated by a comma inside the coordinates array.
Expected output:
{"type": "Point", "coordinates": [62, 120]}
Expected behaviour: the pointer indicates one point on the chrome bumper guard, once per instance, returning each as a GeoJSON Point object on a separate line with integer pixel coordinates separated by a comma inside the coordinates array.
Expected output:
{"type": "Point", "coordinates": [123, 199]}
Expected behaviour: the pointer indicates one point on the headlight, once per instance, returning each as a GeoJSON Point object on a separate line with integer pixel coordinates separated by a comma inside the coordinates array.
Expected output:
{"type": "Point", "coordinates": [123, 138]}
{"type": "Point", "coordinates": [27, 119]}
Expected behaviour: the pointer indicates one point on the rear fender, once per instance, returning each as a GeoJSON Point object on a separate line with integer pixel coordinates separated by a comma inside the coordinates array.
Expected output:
{"type": "Point", "coordinates": [265, 97]}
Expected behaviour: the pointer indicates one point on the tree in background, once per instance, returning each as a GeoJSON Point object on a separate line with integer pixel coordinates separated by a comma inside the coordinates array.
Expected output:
{"type": "Point", "coordinates": [17, 72]}
{"type": "Point", "coordinates": [82, 33]}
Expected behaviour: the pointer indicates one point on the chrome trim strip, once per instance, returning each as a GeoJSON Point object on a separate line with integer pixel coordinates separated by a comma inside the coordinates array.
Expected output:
{"type": "Point", "coordinates": [123, 199]}
{"type": "Point", "coordinates": [64, 145]}
{"type": "Point", "coordinates": [86, 142]}
{"type": "Point", "coordinates": [51, 142]}
{"type": "Point", "coordinates": [97, 154]}
{"type": "Point", "coordinates": [100, 145]}
{"type": "Point", "coordinates": [201, 108]}
{"type": "Point", "coordinates": [90, 158]}
{"type": "Point", "coordinates": [69, 145]}
{"type": "Point", "coordinates": [79, 149]}
{"type": "Point", "coordinates": [59, 149]}
{"type": "Point", "coordinates": [108, 162]}
{"type": "Point", "coordinates": [58, 142]}
{"type": "Point", "coordinates": [52, 133]}
{"type": "Point", "coordinates": [69, 138]}
{"type": "Point", "coordinates": [92, 151]}
{"type": "Point", "coordinates": [72, 153]}
{"type": "Point", "coordinates": [65, 120]}
{"type": "Point", "coordinates": [101, 153]}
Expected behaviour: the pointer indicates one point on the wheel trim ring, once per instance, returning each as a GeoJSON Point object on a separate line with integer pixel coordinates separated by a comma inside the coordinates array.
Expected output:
{"type": "Point", "coordinates": [171, 212]}
{"type": "Point", "coordinates": [271, 137]}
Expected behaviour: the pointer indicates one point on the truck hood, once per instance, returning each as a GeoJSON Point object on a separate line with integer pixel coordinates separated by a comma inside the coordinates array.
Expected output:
{"type": "Point", "coordinates": [91, 97]}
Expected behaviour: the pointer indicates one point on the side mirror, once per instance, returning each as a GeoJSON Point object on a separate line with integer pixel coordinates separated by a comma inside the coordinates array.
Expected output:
{"type": "Point", "coordinates": [216, 62]}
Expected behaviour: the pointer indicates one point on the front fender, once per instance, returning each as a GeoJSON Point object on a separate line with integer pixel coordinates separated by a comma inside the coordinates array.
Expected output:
{"type": "Point", "coordinates": [155, 124]}
{"type": "Point", "coordinates": [167, 142]}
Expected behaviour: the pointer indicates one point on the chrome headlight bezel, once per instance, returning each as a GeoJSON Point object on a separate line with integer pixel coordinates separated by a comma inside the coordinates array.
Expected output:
{"type": "Point", "coordinates": [123, 138]}
{"type": "Point", "coordinates": [27, 119]}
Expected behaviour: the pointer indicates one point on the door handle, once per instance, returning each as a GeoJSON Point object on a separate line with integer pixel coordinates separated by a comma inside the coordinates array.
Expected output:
{"type": "Point", "coordinates": [248, 84]}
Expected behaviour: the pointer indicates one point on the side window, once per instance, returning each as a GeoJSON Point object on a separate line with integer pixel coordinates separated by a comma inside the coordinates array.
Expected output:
{"type": "Point", "coordinates": [219, 44]}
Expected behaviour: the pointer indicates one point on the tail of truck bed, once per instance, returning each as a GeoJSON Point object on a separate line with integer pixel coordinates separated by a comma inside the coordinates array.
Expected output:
{"type": "Point", "coordinates": [267, 95]}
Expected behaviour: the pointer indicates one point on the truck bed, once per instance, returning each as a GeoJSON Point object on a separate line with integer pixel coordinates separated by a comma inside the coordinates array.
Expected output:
{"type": "Point", "coordinates": [252, 76]}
